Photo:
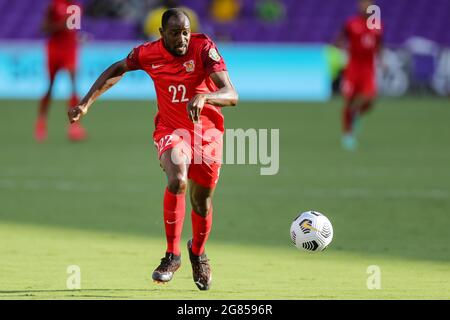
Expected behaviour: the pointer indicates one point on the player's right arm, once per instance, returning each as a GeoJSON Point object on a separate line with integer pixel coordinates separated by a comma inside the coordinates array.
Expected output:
{"type": "Point", "coordinates": [107, 79]}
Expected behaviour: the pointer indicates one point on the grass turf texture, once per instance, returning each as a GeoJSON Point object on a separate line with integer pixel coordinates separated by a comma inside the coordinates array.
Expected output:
{"type": "Point", "coordinates": [98, 205]}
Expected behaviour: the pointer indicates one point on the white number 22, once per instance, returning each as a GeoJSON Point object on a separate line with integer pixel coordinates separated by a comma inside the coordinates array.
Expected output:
{"type": "Point", "coordinates": [174, 90]}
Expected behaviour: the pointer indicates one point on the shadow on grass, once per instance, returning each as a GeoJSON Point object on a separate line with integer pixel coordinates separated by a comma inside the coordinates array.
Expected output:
{"type": "Point", "coordinates": [113, 182]}
{"type": "Point", "coordinates": [99, 293]}
{"type": "Point", "coordinates": [83, 293]}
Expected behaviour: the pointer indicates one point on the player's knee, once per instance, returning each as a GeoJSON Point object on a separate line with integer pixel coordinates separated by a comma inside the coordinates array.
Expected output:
{"type": "Point", "coordinates": [177, 183]}
{"type": "Point", "coordinates": [201, 206]}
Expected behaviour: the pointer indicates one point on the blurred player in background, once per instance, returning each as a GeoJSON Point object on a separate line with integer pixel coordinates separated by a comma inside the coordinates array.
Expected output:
{"type": "Point", "coordinates": [359, 79]}
{"type": "Point", "coordinates": [61, 55]}
{"type": "Point", "coordinates": [191, 83]}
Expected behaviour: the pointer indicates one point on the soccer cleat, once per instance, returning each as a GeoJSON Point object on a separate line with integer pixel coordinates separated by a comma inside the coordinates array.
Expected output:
{"type": "Point", "coordinates": [201, 270]}
{"type": "Point", "coordinates": [349, 142]}
{"type": "Point", "coordinates": [164, 272]}
{"type": "Point", "coordinates": [76, 132]}
{"type": "Point", "coordinates": [40, 130]}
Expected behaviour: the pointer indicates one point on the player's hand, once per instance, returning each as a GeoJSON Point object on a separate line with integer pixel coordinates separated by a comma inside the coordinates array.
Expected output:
{"type": "Point", "coordinates": [195, 106]}
{"type": "Point", "coordinates": [76, 113]}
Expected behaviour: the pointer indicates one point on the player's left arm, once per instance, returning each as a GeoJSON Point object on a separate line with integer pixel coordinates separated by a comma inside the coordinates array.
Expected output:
{"type": "Point", "coordinates": [225, 96]}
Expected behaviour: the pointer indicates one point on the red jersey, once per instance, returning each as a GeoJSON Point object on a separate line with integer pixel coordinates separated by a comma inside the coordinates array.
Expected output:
{"type": "Point", "coordinates": [66, 38]}
{"type": "Point", "coordinates": [178, 79]}
{"type": "Point", "coordinates": [363, 43]}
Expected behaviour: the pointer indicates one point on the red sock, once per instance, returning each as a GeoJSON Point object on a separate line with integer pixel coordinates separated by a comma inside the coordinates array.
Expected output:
{"type": "Point", "coordinates": [73, 102]}
{"type": "Point", "coordinates": [201, 227]}
{"type": "Point", "coordinates": [43, 106]}
{"type": "Point", "coordinates": [347, 119]}
{"type": "Point", "coordinates": [174, 212]}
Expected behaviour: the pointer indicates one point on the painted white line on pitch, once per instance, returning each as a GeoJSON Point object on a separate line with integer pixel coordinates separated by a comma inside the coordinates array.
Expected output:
{"type": "Point", "coordinates": [341, 192]}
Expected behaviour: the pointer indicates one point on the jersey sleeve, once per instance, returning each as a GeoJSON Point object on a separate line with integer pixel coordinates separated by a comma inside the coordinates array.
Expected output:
{"type": "Point", "coordinates": [133, 59]}
{"type": "Point", "coordinates": [212, 60]}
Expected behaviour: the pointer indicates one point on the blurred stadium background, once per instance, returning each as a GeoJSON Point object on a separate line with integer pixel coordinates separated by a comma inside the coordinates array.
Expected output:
{"type": "Point", "coordinates": [97, 204]}
{"type": "Point", "coordinates": [294, 35]}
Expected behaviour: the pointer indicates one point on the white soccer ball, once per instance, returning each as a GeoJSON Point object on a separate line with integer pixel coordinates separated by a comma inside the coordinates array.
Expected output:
{"type": "Point", "coordinates": [311, 231]}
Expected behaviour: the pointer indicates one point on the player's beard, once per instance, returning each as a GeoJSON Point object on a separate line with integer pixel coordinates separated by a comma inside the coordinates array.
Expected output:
{"type": "Point", "coordinates": [180, 50]}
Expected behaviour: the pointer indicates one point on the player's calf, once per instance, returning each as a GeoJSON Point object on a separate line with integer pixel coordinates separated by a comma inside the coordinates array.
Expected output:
{"type": "Point", "coordinates": [40, 129]}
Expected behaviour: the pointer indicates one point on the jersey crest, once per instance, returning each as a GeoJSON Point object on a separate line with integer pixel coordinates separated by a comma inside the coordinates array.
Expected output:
{"type": "Point", "coordinates": [189, 65]}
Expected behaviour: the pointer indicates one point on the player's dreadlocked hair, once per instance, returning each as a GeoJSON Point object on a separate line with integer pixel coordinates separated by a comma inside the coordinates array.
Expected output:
{"type": "Point", "coordinates": [172, 12]}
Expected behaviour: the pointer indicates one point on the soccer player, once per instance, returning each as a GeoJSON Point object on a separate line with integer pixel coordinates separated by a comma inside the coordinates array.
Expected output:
{"type": "Point", "coordinates": [61, 55]}
{"type": "Point", "coordinates": [359, 82]}
{"type": "Point", "coordinates": [192, 84]}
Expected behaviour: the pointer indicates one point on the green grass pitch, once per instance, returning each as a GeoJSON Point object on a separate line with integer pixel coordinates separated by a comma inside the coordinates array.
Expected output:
{"type": "Point", "coordinates": [98, 205]}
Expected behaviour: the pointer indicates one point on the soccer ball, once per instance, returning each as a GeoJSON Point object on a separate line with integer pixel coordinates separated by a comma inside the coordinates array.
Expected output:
{"type": "Point", "coordinates": [311, 231]}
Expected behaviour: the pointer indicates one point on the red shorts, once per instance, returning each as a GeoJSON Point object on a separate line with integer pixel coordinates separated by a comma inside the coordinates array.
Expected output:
{"type": "Point", "coordinates": [358, 83]}
{"type": "Point", "coordinates": [61, 58]}
{"type": "Point", "coordinates": [204, 153]}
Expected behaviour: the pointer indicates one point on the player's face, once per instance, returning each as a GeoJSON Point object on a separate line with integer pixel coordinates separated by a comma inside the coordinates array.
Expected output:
{"type": "Point", "coordinates": [176, 35]}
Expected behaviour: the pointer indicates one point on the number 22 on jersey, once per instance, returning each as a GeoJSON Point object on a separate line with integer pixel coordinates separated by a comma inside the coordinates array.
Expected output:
{"type": "Point", "coordinates": [178, 93]}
